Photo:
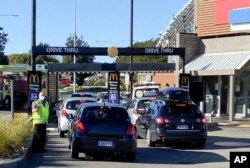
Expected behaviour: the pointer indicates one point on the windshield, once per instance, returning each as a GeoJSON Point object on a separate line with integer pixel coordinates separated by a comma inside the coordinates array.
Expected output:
{"type": "Point", "coordinates": [189, 110]}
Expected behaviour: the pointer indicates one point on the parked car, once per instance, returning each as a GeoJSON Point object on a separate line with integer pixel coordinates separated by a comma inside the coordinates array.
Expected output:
{"type": "Point", "coordinates": [165, 121]}
{"type": "Point", "coordinates": [137, 106]}
{"type": "Point", "coordinates": [102, 128]}
{"type": "Point", "coordinates": [69, 106]}
{"type": "Point", "coordinates": [83, 94]}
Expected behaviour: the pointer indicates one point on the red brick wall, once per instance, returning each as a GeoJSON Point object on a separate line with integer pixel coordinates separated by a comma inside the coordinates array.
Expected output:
{"type": "Point", "coordinates": [164, 78]}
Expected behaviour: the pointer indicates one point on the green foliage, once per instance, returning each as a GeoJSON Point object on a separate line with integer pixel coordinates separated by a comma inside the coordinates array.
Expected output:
{"type": "Point", "coordinates": [45, 59]}
{"type": "Point", "coordinates": [3, 59]}
{"type": "Point", "coordinates": [13, 136]}
{"type": "Point", "coordinates": [19, 58]}
{"type": "Point", "coordinates": [3, 39]}
{"type": "Point", "coordinates": [143, 59]}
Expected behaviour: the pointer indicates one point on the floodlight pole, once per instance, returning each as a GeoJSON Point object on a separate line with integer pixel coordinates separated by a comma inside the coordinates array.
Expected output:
{"type": "Point", "coordinates": [131, 43]}
{"type": "Point", "coordinates": [33, 35]}
{"type": "Point", "coordinates": [74, 77]}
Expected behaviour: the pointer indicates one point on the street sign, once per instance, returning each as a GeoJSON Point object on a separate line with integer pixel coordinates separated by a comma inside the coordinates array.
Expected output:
{"type": "Point", "coordinates": [34, 85]}
{"type": "Point", "coordinates": [114, 87]}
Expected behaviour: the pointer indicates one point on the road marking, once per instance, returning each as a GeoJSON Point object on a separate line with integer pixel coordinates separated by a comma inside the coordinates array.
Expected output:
{"type": "Point", "coordinates": [51, 129]}
{"type": "Point", "coordinates": [232, 144]}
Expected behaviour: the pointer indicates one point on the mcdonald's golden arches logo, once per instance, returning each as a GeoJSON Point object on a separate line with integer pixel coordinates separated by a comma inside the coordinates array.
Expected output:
{"type": "Point", "coordinates": [34, 78]}
{"type": "Point", "coordinates": [184, 80]}
{"type": "Point", "coordinates": [113, 77]}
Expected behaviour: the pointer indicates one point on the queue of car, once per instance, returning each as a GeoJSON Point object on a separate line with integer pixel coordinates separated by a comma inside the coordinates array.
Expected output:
{"type": "Point", "coordinates": [98, 128]}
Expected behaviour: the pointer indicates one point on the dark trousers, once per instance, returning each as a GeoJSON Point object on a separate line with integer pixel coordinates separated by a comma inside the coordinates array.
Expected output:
{"type": "Point", "coordinates": [39, 137]}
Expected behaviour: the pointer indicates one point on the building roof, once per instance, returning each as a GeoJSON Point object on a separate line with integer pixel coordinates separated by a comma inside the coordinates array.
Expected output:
{"type": "Point", "coordinates": [227, 63]}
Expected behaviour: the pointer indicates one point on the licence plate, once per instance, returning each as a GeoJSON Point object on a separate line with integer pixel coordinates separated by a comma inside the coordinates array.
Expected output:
{"type": "Point", "coordinates": [105, 143]}
{"type": "Point", "coordinates": [182, 127]}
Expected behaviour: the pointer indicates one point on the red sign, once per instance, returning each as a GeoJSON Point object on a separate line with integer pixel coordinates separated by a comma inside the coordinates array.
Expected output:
{"type": "Point", "coordinates": [223, 8]}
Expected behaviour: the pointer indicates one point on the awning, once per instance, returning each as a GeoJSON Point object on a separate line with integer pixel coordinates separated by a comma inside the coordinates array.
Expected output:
{"type": "Point", "coordinates": [226, 63]}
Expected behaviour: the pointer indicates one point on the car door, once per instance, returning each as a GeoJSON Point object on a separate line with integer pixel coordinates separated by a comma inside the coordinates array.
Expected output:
{"type": "Point", "coordinates": [143, 121]}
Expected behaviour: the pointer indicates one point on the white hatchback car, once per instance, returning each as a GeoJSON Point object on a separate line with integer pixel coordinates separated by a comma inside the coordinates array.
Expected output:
{"type": "Point", "coordinates": [138, 105]}
{"type": "Point", "coordinates": [69, 106]}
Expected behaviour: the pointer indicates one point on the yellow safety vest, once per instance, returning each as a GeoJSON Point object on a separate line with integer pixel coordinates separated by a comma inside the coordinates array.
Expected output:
{"type": "Point", "coordinates": [41, 116]}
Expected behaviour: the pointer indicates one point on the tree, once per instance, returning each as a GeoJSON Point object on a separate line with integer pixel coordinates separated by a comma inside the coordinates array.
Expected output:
{"type": "Point", "coordinates": [19, 58]}
{"type": "Point", "coordinates": [143, 58]}
{"type": "Point", "coordinates": [79, 58]}
{"type": "Point", "coordinates": [3, 41]}
{"type": "Point", "coordinates": [45, 59]}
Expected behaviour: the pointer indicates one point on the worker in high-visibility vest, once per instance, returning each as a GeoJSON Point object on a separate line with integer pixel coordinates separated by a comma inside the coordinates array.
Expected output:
{"type": "Point", "coordinates": [40, 114]}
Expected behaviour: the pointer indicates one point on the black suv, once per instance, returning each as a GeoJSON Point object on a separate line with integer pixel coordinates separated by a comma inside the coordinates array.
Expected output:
{"type": "Point", "coordinates": [172, 120]}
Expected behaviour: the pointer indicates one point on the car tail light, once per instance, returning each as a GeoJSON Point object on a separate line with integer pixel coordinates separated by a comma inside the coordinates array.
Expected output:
{"type": "Point", "coordinates": [64, 113]}
{"type": "Point", "coordinates": [201, 120]}
{"type": "Point", "coordinates": [162, 120]}
{"type": "Point", "coordinates": [135, 111]}
{"type": "Point", "coordinates": [79, 126]}
{"type": "Point", "coordinates": [131, 130]}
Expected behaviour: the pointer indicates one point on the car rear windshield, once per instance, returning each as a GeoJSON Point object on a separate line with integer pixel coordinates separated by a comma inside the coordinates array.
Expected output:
{"type": "Point", "coordinates": [180, 110]}
{"type": "Point", "coordinates": [74, 104]}
{"type": "Point", "coordinates": [107, 114]}
{"type": "Point", "coordinates": [82, 95]}
{"type": "Point", "coordinates": [143, 103]}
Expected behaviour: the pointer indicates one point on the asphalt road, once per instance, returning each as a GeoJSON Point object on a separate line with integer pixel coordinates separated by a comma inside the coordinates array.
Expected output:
{"type": "Point", "coordinates": [220, 142]}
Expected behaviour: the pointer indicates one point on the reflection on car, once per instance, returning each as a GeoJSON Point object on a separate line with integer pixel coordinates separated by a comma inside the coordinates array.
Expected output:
{"type": "Point", "coordinates": [69, 106]}
{"type": "Point", "coordinates": [99, 129]}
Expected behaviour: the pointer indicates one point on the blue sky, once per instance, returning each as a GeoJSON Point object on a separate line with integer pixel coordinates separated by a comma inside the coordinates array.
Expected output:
{"type": "Point", "coordinates": [96, 20]}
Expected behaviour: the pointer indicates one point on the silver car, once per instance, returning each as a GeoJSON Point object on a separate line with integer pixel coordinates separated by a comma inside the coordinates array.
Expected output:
{"type": "Point", "coordinates": [137, 105]}
{"type": "Point", "coordinates": [69, 106]}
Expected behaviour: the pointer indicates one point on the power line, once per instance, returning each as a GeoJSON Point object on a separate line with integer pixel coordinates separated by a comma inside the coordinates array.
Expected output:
{"type": "Point", "coordinates": [8, 15]}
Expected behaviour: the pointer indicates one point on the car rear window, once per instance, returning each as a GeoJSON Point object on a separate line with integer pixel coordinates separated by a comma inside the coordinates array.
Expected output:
{"type": "Point", "coordinates": [107, 114]}
{"type": "Point", "coordinates": [82, 95]}
{"type": "Point", "coordinates": [143, 103]}
{"type": "Point", "coordinates": [182, 110]}
{"type": "Point", "coordinates": [74, 104]}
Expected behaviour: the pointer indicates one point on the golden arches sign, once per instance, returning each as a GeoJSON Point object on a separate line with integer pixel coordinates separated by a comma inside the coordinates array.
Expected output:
{"type": "Point", "coordinates": [34, 78]}
{"type": "Point", "coordinates": [113, 77]}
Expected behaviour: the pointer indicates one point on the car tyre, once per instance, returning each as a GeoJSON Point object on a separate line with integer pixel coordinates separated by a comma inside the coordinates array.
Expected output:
{"type": "Point", "coordinates": [74, 152]}
{"type": "Point", "coordinates": [201, 143]}
{"type": "Point", "coordinates": [131, 156]}
{"type": "Point", "coordinates": [149, 142]}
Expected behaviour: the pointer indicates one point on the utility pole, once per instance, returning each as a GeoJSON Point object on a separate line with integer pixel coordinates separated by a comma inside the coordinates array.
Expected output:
{"type": "Point", "coordinates": [131, 43]}
{"type": "Point", "coordinates": [33, 34]}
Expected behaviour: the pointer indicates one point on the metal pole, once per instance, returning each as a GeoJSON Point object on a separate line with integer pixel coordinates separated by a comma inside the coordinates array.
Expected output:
{"type": "Point", "coordinates": [12, 100]}
{"type": "Point", "coordinates": [33, 34]}
{"type": "Point", "coordinates": [74, 78]}
{"type": "Point", "coordinates": [131, 42]}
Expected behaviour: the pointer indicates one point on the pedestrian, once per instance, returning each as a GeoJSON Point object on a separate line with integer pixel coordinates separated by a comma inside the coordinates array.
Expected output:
{"type": "Point", "coordinates": [40, 113]}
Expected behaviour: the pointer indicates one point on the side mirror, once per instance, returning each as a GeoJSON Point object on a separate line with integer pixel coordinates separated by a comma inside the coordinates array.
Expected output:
{"type": "Point", "coordinates": [70, 116]}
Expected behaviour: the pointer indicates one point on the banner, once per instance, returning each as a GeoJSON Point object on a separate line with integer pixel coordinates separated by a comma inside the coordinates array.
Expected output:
{"type": "Point", "coordinates": [114, 87]}
{"type": "Point", "coordinates": [34, 85]}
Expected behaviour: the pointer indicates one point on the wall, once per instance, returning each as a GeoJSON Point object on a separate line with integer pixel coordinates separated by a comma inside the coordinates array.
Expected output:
{"type": "Point", "coordinates": [224, 44]}
{"type": "Point", "coordinates": [164, 78]}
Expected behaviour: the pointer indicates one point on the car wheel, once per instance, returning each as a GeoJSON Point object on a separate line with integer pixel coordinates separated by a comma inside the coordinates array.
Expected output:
{"type": "Point", "coordinates": [61, 133]}
{"type": "Point", "coordinates": [201, 143]}
{"type": "Point", "coordinates": [131, 156]}
{"type": "Point", "coordinates": [137, 134]}
{"type": "Point", "coordinates": [74, 152]}
{"type": "Point", "coordinates": [149, 142]}
{"type": "Point", "coordinates": [69, 145]}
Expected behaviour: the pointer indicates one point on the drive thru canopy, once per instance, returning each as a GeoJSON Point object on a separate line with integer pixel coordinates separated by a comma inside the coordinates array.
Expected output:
{"type": "Point", "coordinates": [102, 51]}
